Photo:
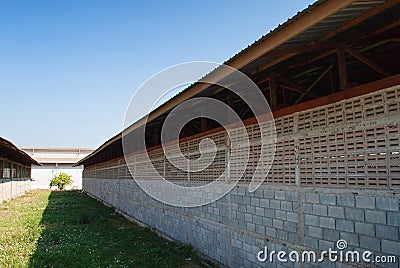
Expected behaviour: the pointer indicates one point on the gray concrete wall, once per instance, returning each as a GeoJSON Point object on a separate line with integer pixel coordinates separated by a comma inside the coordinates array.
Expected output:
{"type": "Point", "coordinates": [12, 188]}
{"type": "Point", "coordinates": [235, 228]}
{"type": "Point", "coordinates": [336, 175]}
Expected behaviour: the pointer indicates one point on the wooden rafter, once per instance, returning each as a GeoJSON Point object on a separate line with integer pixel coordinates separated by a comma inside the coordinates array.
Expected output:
{"type": "Point", "coordinates": [358, 20]}
{"type": "Point", "coordinates": [341, 59]}
{"type": "Point", "coordinates": [327, 70]}
{"type": "Point", "coordinates": [367, 61]}
{"type": "Point", "coordinates": [272, 92]}
{"type": "Point", "coordinates": [346, 26]}
{"type": "Point", "coordinates": [292, 86]}
{"type": "Point", "coordinates": [386, 27]}
{"type": "Point", "coordinates": [298, 90]}
{"type": "Point", "coordinates": [300, 49]}
{"type": "Point", "coordinates": [314, 59]}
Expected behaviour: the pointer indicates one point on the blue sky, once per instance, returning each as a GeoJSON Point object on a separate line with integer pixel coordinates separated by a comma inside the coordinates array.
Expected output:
{"type": "Point", "coordinates": [68, 69]}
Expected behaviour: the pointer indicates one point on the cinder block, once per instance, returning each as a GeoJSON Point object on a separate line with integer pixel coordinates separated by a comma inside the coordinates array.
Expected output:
{"type": "Point", "coordinates": [270, 231]}
{"type": "Point", "coordinates": [311, 220]}
{"type": "Point", "coordinates": [330, 234]}
{"type": "Point", "coordinates": [291, 196]}
{"type": "Point", "coordinates": [290, 226]}
{"type": "Point", "coordinates": [259, 193]}
{"type": "Point", "coordinates": [255, 201]}
{"type": "Point", "coordinates": [248, 217]}
{"type": "Point", "coordinates": [251, 209]}
{"type": "Point", "coordinates": [391, 247]}
{"type": "Point", "coordinates": [269, 194]}
{"type": "Point", "coordinates": [293, 238]}
{"type": "Point", "coordinates": [269, 213]}
{"type": "Point", "coordinates": [351, 238]}
{"type": "Point", "coordinates": [374, 216]}
{"type": "Point", "coordinates": [345, 200]}
{"type": "Point", "coordinates": [387, 232]}
{"type": "Point", "coordinates": [257, 219]}
{"type": "Point", "coordinates": [320, 210]}
{"type": "Point", "coordinates": [264, 203]}
{"type": "Point", "coordinates": [314, 231]}
{"type": "Point", "coordinates": [312, 198]}
{"type": "Point", "coordinates": [246, 200]}
{"type": "Point", "coordinates": [325, 245]}
{"type": "Point", "coordinates": [311, 242]}
{"type": "Point", "coordinates": [282, 235]}
{"type": "Point", "coordinates": [307, 208]}
{"type": "Point", "coordinates": [344, 225]}
{"type": "Point", "coordinates": [277, 224]}
{"type": "Point", "coordinates": [260, 211]}
{"type": "Point", "coordinates": [387, 203]}
{"type": "Point", "coordinates": [365, 202]}
{"type": "Point", "coordinates": [260, 229]}
{"type": "Point", "coordinates": [370, 243]}
{"type": "Point", "coordinates": [286, 205]}
{"type": "Point", "coordinates": [365, 228]}
{"type": "Point", "coordinates": [279, 214]}
{"type": "Point", "coordinates": [326, 222]}
{"type": "Point", "coordinates": [327, 199]}
{"type": "Point", "coordinates": [354, 214]}
{"type": "Point", "coordinates": [336, 212]}
{"type": "Point", "coordinates": [292, 216]}
{"type": "Point", "coordinates": [267, 222]}
{"type": "Point", "coordinates": [280, 195]}
{"type": "Point", "coordinates": [394, 218]}
{"type": "Point", "coordinates": [275, 204]}
{"type": "Point", "coordinates": [251, 226]}
{"type": "Point", "coordinates": [295, 205]}
{"type": "Point", "coordinates": [239, 215]}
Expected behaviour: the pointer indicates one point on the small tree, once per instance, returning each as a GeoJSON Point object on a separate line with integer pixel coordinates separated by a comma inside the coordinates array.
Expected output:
{"type": "Point", "coordinates": [61, 181]}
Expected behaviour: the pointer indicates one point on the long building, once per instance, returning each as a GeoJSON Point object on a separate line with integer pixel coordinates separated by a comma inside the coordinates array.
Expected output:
{"type": "Point", "coordinates": [331, 76]}
{"type": "Point", "coordinates": [54, 161]}
{"type": "Point", "coordinates": [15, 171]}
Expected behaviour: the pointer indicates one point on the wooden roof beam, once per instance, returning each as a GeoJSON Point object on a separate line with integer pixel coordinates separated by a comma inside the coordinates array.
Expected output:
{"type": "Point", "coordinates": [294, 87]}
{"type": "Point", "coordinates": [356, 21]}
{"type": "Point", "coordinates": [299, 90]}
{"type": "Point", "coordinates": [341, 64]}
{"type": "Point", "coordinates": [306, 21]}
{"type": "Point", "coordinates": [315, 82]}
{"type": "Point", "coordinates": [367, 61]}
{"type": "Point", "coordinates": [386, 27]}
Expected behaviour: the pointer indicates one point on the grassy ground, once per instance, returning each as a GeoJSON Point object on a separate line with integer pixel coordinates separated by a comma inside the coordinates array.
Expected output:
{"type": "Point", "coordinates": [69, 229]}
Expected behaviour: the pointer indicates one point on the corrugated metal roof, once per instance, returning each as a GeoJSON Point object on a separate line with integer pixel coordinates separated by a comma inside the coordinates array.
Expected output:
{"type": "Point", "coordinates": [333, 22]}
{"type": "Point", "coordinates": [10, 151]}
{"type": "Point", "coordinates": [345, 15]}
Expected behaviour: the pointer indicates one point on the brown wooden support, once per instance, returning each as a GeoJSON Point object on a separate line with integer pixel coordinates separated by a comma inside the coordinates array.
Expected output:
{"type": "Point", "coordinates": [298, 90]}
{"type": "Point", "coordinates": [315, 82]}
{"type": "Point", "coordinates": [358, 20]}
{"type": "Point", "coordinates": [367, 61]}
{"type": "Point", "coordinates": [272, 92]}
{"type": "Point", "coordinates": [294, 87]}
{"type": "Point", "coordinates": [332, 80]}
{"type": "Point", "coordinates": [386, 27]}
{"type": "Point", "coordinates": [341, 58]}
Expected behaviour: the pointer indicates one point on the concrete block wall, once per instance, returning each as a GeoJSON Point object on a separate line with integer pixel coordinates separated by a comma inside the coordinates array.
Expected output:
{"type": "Point", "coordinates": [235, 228]}
{"type": "Point", "coordinates": [12, 188]}
{"type": "Point", "coordinates": [336, 175]}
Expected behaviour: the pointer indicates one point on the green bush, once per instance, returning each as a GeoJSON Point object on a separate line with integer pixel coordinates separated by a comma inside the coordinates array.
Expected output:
{"type": "Point", "coordinates": [61, 181]}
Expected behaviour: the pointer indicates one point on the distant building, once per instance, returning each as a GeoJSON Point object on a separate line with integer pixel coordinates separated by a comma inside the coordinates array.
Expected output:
{"type": "Point", "coordinates": [55, 161]}
{"type": "Point", "coordinates": [15, 170]}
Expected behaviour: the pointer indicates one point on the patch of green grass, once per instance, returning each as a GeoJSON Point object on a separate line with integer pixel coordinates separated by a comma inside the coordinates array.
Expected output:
{"type": "Point", "coordinates": [70, 229]}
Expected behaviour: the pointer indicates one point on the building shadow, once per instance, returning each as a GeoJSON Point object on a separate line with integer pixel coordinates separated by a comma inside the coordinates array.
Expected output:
{"type": "Point", "coordinates": [79, 231]}
{"type": "Point", "coordinates": [65, 231]}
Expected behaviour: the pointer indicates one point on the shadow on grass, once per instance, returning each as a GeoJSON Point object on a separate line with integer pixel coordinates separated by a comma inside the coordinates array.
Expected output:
{"type": "Point", "coordinates": [78, 231]}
